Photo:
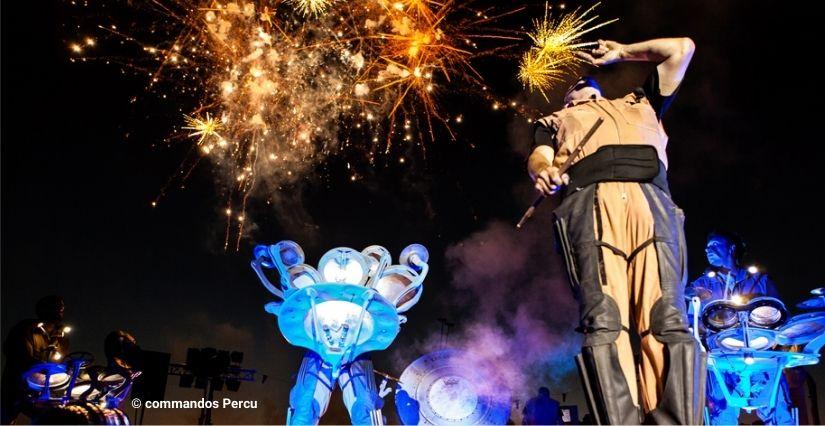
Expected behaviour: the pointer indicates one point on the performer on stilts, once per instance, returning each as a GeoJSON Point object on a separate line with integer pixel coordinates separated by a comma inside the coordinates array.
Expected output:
{"type": "Point", "coordinates": [623, 240]}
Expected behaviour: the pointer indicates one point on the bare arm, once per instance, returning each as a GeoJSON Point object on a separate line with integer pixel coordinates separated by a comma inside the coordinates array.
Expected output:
{"type": "Point", "coordinates": [672, 54]}
{"type": "Point", "coordinates": [541, 170]}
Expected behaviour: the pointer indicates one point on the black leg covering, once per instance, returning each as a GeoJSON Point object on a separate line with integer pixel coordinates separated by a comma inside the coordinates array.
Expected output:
{"type": "Point", "coordinates": [683, 395]}
{"type": "Point", "coordinates": [609, 397]}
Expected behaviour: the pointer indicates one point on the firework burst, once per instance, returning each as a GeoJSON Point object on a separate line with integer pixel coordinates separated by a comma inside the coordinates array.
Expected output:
{"type": "Point", "coordinates": [284, 85]}
{"type": "Point", "coordinates": [555, 41]}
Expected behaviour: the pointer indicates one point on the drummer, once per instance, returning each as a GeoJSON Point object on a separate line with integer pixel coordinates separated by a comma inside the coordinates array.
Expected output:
{"type": "Point", "coordinates": [727, 279]}
{"type": "Point", "coordinates": [30, 342]}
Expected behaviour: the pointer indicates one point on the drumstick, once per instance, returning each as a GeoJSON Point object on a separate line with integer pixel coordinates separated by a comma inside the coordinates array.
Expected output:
{"type": "Point", "coordinates": [529, 213]}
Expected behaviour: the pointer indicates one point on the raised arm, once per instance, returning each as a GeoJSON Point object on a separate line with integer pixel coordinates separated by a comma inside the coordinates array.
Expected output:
{"type": "Point", "coordinates": [672, 54]}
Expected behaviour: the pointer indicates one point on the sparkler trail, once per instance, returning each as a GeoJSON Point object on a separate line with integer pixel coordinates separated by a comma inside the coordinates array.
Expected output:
{"type": "Point", "coordinates": [555, 42]}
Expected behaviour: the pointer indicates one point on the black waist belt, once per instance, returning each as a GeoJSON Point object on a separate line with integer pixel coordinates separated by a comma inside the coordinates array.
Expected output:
{"type": "Point", "coordinates": [618, 163]}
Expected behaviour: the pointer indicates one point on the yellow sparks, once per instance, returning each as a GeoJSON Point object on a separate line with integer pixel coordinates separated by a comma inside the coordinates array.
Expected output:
{"type": "Point", "coordinates": [555, 42]}
{"type": "Point", "coordinates": [202, 127]}
{"type": "Point", "coordinates": [540, 73]}
{"type": "Point", "coordinates": [311, 7]}
{"type": "Point", "coordinates": [284, 89]}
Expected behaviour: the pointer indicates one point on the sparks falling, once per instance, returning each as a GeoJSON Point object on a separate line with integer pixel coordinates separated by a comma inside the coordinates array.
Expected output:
{"type": "Point", "coordinates": [283, 85]}
{"type": "Point", "coordinates": [555, 42]}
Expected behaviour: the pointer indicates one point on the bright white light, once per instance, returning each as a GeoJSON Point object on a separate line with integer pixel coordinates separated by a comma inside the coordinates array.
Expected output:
{"type": "Point", "coordinates": [67, 329]}
{"type": "Point", "coordinates": [752, 269]}
{"type": "Point", "coordinates": [749, 359]}
{"type": "Point", "coordinates": [712, 274]}
{"type": "Point", "coordinates": [346, 272]}
{"type": "Point", "coordinates": [737, 299]}
{"type": "Point", "coordinates": [339, 323]}
{"type": "Point", "coordinates": [57, 356]}
{"type": "Point", "coordinates": [344, 265]}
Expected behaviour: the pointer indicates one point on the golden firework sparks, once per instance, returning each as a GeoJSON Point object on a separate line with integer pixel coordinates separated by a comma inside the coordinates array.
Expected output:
{"type": "Point", "coordinates": [283, 92]}
{"type": "Point", "coordinates": [555, 42]}
{"type": "Point", "coordinates": [202, 127]}
{"type": "Point", "coordinates": [539, 72]}
{"type": "Point", "coordinates": [311, 7]}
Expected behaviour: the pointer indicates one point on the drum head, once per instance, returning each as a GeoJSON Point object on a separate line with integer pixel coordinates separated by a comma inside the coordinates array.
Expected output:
{"type": "Point", "coordinates": [448, 388]}
{"type": "Point", "coordinates": [393, 285]}
{"type": "Point", "coordinates": [734, 340]}
{"type": "Point", "coordinates": [766, 312]}
{"type": "Point", "coordinates": [303, 275]}
{"type": "Point", "coordinates": [801, 329]}
{"type": "Point", "coordinates": [36, 376]}
{"type": "Point", "coordinates": [720, 315]}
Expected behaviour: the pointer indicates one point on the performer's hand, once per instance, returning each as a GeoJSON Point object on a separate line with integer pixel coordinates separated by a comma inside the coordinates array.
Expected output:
{"type": "Point", "coordinates": [549, 181]}
{"type": "Point", "coordinates": [605, 53]}
{"type": "Point", "coordinates": [383, 390]}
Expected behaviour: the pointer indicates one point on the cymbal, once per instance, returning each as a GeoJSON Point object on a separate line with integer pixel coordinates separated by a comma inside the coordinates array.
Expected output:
{"type": "Point", "coordinates": [817, 302]}
{"type": "Point", "coordinates": [700, 292]}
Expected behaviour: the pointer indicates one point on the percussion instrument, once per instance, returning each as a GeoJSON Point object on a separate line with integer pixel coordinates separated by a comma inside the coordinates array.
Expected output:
{"type": "Point", "coordinates": [760, 312]}
{"type": "Point", "coordinates": [802, 329]}
{"type": "Point", "coordinates": [449, 387]}
{"type": "Point", "coordinates": [349, 305]}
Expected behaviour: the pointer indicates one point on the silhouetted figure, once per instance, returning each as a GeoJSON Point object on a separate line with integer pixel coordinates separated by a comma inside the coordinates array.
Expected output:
{"type": "Point", "coordinates": [30, 342]}
{"type": "Point", "coordinates": [541, 409]}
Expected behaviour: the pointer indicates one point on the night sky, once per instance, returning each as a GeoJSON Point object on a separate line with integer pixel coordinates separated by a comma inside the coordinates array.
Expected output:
{"type": "Point", "coordinates": [81, 164]}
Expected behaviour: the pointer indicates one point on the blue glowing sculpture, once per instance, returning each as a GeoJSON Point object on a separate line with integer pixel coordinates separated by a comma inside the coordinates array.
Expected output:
{"type": "Point", "coordinates": [349, 306]}
{"type": "Point", "coordinates": [749, 346]}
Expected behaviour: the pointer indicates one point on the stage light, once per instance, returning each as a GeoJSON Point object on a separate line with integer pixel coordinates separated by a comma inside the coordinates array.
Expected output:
{"type": "Point", "coordinates": [67, 329]}
{"type": "Point", "coordinates": [711, 274]}
{"type": "Point", "coordinates": [752, 269]}
{"type": "Point", "coordinates": [737, 299]}
{"type": "Point", "coordinates": [344, 265]}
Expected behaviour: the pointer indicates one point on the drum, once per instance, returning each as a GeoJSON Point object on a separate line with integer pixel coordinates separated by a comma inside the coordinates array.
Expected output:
{"type": "Point", "coordinates": [720, 315]}
{"type": "Point", "coordinates": [763, 312]}
{"type": "Point", "coordinates": [733, 339]}
{"type": "Point", "coordinates": [766, 312]}
{"type": "Point", "coordinates": [451, 388]}
{"type": "Point", "coordinates": [396, 284]}
{"type": "Point", "coordinates": [802, 329]}
{"type": "Point", "coordinates": [59, 378]}
{"type": "Point", "coordinates": [87, 389]}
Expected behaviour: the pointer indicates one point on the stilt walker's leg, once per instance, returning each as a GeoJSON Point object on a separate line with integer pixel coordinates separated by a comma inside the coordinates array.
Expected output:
{"type": "Point", "coordinates": [360, 393]}
{"type": "Point", "coordinates": [682, 370]}
{"type": "Point", "coordinates": [606, 358]}
{"type": "Point", "coordinates": [309, 398]}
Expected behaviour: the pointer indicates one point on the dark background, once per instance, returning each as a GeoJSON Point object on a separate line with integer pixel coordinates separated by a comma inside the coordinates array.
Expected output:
{"type": "Point", "coordinates": [81, 163]}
